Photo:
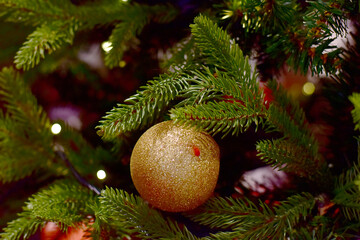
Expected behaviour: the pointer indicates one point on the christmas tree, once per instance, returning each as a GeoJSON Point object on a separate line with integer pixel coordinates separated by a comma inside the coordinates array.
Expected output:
{"type": "Point", "coordinates": [233, 119]}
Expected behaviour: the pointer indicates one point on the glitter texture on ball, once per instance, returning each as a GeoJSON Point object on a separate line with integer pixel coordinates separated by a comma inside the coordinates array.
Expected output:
{"type": "Point", "coordinates": [175, 168]}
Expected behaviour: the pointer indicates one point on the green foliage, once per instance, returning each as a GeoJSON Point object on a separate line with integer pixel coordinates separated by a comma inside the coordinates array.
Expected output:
{"type": "Point", "coordinates": [33, 12]}
{"type": "Point", "coordinates": [347, 190]}
{"type": "Point", "coordinates": [22, 228]}
{"type": "Point", "coordinates": [25, 137]}
{"type": "Point", "coordinates": [64, 202]}
{"type": "Point", "coordinates": [286, 116]}
{"type": "Point", "coordinates": [221, 117]}
{"type": "Point", "coordinates": [221, 51]}
{"type": "Point", "coordinates": [248, 220]}
{"type": "Point", "coordinates": [130, 214]}
{"type": "Point", "coordinates": [57, 24]}
{"type": "Point", "coordinates": [355, 100]}
{"type": "Point", "coordinates": [46, 38]}
{"type": "Point", "coordinates": [262, 16]}
{"type": "Point", "coordinates": [20, 104]}
{"type": "Point", "coordinates": [235, 109]}
{"type": "Point", "coordinates": [347, 193]}
{"type": "Point", "coordinates": [133, 21]}
{"type": "Point", "coordinates": [297, 151]}
{"type": "Point", "coordinates": [288, 156]}
{"type": "Point", "coordinates": [26, 141]}
{"type": "Point", "coordinates": [293, 33]}
{"type": "Point", "coordinates": [143, 108]}
{"type": "Point", "coordinates": [238, 99]}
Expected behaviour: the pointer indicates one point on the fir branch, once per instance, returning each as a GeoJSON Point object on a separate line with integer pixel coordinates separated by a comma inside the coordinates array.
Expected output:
{"type": "Point", "coordinates": [207, 85]}
{"type": "Point", "coordinates": [293, 33]}
{"type": "Point", "coordinates": [289, 157]}
{"type": "Point", "coordinates": [255, 221]}
{"type": "Point", "coordinates": [331, 16]}
{"type": "Point", "coordinates": [21, 155]}
{"type": "Point", "coordinates": [26, 142]}
{"type": "Point", "coordinates": [25, 136]}
{"type": "Point", "coordinates": [123, 36]}
{"type": "Point", "coordinates": [347, 193]}
{"type": "Point", "coordinates": [57, 23]}
{"type": "Point", "coordinates": [34, 12]}
{"type": "Point", "coordinates": [261, 16]}
{"type": "Point", "coordinates": [21, 228]}
{"type": "Point", "coordinates": [221, 236]}
{"type": "Point", "coordinates": [143, 108]}
{"type": "Point", "coordinates": [225, 213]}
{"type": "Point", "coordinates": [218, 117]}
{"type": "Point", "coordinates": [46, 38]}
{"type": "Point", "coordinates": [297, 151]}
{"type": "Point", "coordinates": [236, 82]}
{"type": "Point", "coordinates": [63, 202]}
{"type": "Point", "coordinates": [355, 100]}
{"type": "Point", "coordinates": [287, 117]}
{"type": "Point", "coordinates": [133, 21]}
{"type": "Point", "coordinates": [220, 50]}
{"type": "Point", "coordinates": [122, 210]}
{"type": "Point", "coordinates": [20, 104]}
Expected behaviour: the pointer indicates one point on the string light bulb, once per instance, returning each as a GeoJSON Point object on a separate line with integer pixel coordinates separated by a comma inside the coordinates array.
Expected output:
{"type": "Point", "coordinates": [56, 128]}
{"type": "Point", "coordinates": [106, 46]}
{"type": "Point", "coordinates": [101, 174]}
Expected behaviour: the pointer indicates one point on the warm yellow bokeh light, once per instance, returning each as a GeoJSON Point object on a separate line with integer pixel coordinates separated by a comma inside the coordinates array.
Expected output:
{"type": "Point", "coordinates": [101, 174]}
{"type": "Point", "coordinates": [122, 64]}
{"type": "Point", "coordinates": [56, 128]}
{"type": "Point", "coordinates": [106, 46]}
{"type": "Point", "coordinates": [308, 88]}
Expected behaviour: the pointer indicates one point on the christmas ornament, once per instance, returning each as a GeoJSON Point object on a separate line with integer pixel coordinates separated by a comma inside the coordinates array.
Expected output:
{"type": "Point", "coordinates": [51, 231]}
{"type": "Point", "coordinates": [175, 168]}
{"type": "Point", "coordinates": [268, 97]}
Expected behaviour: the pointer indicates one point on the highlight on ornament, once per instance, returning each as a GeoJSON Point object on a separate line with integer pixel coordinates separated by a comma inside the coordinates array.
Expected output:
{"type": "Point", "coordinates": [56, 128]}
{"type": "Point", "coordinates": [175, 168]}
{"type": "Point", "coordinates": [101, 174]}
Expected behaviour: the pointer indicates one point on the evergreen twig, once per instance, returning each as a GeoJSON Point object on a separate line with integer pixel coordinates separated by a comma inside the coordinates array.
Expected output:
{"type": "Point", "coordinates": [143, 108]}
{"type": "Point", "coordinates": [63, 202]}
{"type": "Point", "coordinates": [25, 137]}
{"type": "Point", "coordinates": [128, 213]}
{"type": "Point", "coordinates": [46, 38]}
{"type": "Point", "coordinates": [255, 221]}
{"type": "Point", "coordinates": [23, 227]}
{"type": "Point", "coordinates": [355, 100]}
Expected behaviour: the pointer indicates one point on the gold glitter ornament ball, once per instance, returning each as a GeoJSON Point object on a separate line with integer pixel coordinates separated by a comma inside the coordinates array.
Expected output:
{"type": "Point", "coordinates": [175, 168]}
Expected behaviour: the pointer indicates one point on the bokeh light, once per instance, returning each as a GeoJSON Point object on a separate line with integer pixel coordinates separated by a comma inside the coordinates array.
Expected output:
{"type": "Point", "coordinates": [56, 128]}
{"type": "Point", "coordinates": [308, 88]}
{"type": "Point", "coordinates": [106, 46]}
{"type": "Point", "coordinates": [101, 174]}
{"type": "Point", "coordinates": [122, 64]}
